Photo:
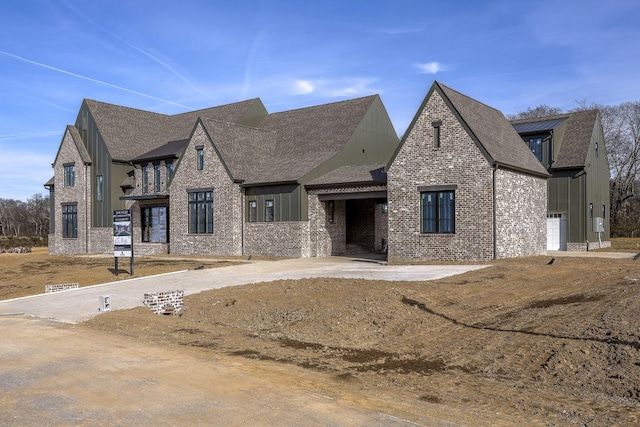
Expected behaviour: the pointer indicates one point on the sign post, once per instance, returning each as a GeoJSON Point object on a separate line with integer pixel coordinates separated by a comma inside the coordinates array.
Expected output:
{"type": "Point", "coordinates": [122, 237]}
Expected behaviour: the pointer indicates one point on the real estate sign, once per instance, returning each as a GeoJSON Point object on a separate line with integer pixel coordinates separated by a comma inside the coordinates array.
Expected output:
{"type": "Point", "coordinates": [122, 233]}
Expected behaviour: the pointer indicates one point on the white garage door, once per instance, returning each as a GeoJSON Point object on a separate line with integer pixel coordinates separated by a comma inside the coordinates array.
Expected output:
{"type": "Point", "coordinates": [556, 232]}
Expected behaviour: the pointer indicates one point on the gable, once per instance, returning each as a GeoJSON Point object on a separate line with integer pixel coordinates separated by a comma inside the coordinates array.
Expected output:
{"type": "Point", "coordinates": [489, 129]}
{"type": "Point", "coordinates": [75, 138]}
{"type": "Point", "coordinates": [577, 139]}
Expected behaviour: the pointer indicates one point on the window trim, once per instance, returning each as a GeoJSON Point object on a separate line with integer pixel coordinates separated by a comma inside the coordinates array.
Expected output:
{"type": "Point", "coordinates": [438, 210]}
{"type": "Point", "coordinates": [70, 221]}
{"type": "Point", "coordinates": [69, 174]}
{"type": "Point", "coordinates": [437, 124]}
{"type": "Point", "coordinates": [252, 211]}
{"type": "Point", "coordinates": [269, 210]}
{"type": "Point", "coordinates": [145, 179]}
{"type": "Point", "coordinates": [200, 157]}
{"type": "Point", "coordinates": [538, 147]}
{"type": "Point", "coordinates": [156, 178]}
{"type": "Point", "coordinates": [200, 213]}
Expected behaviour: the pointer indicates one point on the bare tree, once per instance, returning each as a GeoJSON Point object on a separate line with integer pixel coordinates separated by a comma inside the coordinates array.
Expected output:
{"type": "Point", "coordinates": [31, 217]}
{"type": "Point", "coordinates": [542, 110]}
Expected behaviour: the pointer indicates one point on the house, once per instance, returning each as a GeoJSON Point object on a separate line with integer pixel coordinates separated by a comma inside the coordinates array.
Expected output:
{"type": "Point", "coordinates": [462, 186]}
{"type": "Point", "coordinates": [228, 180]}
{"type": "Point", "coordinates": [571, 147]}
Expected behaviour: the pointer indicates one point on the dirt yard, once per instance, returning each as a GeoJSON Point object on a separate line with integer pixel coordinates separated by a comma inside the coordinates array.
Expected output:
{"type": "Point", "coordinates": [518, 343]}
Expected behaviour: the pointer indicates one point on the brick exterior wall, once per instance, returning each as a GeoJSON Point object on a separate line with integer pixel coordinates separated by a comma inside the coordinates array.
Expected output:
{"type": "Point", "coordinates": [79, 193]}
{"type": "Point", "coordinates": [457, 162]}
{"type": "Point", "coordinates": [521, 214]}
{"type": "Point", "coordinates": [227, 203]}
{"type": "Point", "coordinates": [326, 238]}
{"type": "Point", "coordinates": [284, 239]}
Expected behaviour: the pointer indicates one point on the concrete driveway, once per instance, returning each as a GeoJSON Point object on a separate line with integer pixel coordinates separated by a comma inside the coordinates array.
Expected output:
{"type": "Point", "coordinates": [77, 305]}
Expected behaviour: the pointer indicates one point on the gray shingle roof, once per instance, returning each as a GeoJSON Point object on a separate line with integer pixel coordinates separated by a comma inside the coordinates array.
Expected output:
{"type": "Point", "coordinates": [171, 149]}
{"type": "Point", "coordinates": [494, 132]}
{"type": "Point", "coordinates": [308, 137]}
{"type": "Point", "coordinates": [244, 150]}
{"type": "Point", "coordinates": [129, 132]}
{"type": "Point", "coordinates": [576, 139]}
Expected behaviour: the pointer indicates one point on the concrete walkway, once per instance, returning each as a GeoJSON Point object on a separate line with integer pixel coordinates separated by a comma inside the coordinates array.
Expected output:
{"type": "Point", "coordinates": [77, 305]}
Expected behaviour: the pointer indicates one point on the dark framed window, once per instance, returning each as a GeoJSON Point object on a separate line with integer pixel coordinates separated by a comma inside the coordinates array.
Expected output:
{"type": "Point", "coordinates": [268, 210]}
{"type": "Point", "coordinates": [604, 211]}
{"type": "Point", "coordinates": [70, 221]}
{"type": "Point", "coordinates": [201, 212]}
{"type": "Point", "coordinates": [69, 175]}
{"type": "Point", "coordinates": [535, 145]}
{"type": "Point", "coordinates": [169, 171]}
{"type": "Point", "coordinates": [436, 133]}
{"type": "Point", "coordinates": [145, 179]}
{"type": "Point", "coordinates": [156, 178]}
{"type": "Point", "coordinates": [253, 211]}
{"type": "Point", "coordinates": [200, 157]}
{"type": "Point", "coordinates": [99, 188]}
{"type": "Point", "coordinates": [438, 212]}
{"type": "Point", "coordinates": [331, 210]}
{"type": "Point", "coordinates": [154, 224]}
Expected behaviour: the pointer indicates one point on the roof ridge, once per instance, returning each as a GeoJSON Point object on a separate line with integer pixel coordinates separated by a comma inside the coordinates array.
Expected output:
{"type": "Point", "coordinates": [541, 119]}
{"type": "Point", "coordinates": [326, 104]}
{"type": "Point", "coordinates": [467, 96]}
{"type": "Point", "coordinates": [215, 106]}
{"type": "Point", "coordinates": [123, 107]}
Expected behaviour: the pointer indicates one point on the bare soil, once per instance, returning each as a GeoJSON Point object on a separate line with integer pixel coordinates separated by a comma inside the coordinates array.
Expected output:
{"type": "Point", "coordinates": [520, 342]}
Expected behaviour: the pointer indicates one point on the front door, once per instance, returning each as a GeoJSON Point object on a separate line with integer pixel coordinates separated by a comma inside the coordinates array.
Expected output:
{"type": "Point", "coordinates": [556, 232]}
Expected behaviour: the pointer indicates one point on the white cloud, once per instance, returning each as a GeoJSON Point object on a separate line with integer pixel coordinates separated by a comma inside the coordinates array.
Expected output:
{"type": "Point", "coordinates": [431, 67]}
{"type": "Point", "coordinates": [335, 87]}
{"type": "Point", "coordinates": [303, 87]}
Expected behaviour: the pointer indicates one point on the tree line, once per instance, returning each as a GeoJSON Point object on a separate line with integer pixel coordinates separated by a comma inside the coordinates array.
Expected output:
{"type": "Point", "coordinates": [621, 126]}
{"type": "Point", "coordinates": [30, 218]}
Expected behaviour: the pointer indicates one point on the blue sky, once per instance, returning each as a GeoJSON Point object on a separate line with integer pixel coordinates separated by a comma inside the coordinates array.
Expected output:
{"type": "Point", "coordinates": [175, 56]}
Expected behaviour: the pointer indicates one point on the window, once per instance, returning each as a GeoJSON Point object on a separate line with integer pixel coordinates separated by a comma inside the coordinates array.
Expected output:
{"type": "Point", "coordinates": [169, 171]}
{"type": "Point", "coordinates": [99, 188]}
{"type": "Point", "coordinates": [268, 211]}
{"type": "Point", "coordinates": [69, 175]}
{"type": "Point", "coordinates": [604, 212]}
{"type": "Point", "coordinates": [535, 144]}
{"type": "Point", "coordinates": [145, 179]}
{"type": "Point", "coordinates": [200, 157]}
{"type": "Point", "coordinates": [253, 211]}
{"type": "Point", "coordinates": [156, 177]}
{"type": "Point", "coordinates": [331, 209]}
{"type": "Point", "coordinates": [70, 221]}
{"type": "Point", "coordinates": [154, 224]}
{"type": "Point", "coordinates": [436, 133]}
{"type": "Point", "coordinates": [201, 212]}
{"type": "Point", "coordinates": [438, 212]}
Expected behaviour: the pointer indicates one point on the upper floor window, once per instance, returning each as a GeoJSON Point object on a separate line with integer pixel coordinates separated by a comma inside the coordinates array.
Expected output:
{"type": "Point", "coordinates": [438, 211]}
{"type": "Point", "coordinates": [70, 221]}
{"type": "Point", "coordinates": [268, 211]}
{"type": "Point", "coordinates": [156, 177]}
{"type": "Point", "coordinates": [201, 212]}
{"type": "Point", "coordinates": [253, 211]}
{"type": "Point", "coordinates": [99, 188]}
{"type": "Point", "coordinates": [200, 157]}
{"type": "Point", "coordinates": [69, 175]}
{"type": "Point", "coordinates": [169, 171]}
{"type": "Point", "coordinates": [535, 144]}
{"type": "Point", "coordinates": [145, 179]}
{"type": "Point", "coordinates": [436, 133]}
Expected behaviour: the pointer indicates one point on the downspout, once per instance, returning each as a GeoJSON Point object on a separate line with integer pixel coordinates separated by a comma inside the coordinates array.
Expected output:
{"type": "Point", "coordinates": [495, 217]}
{"type": "Point", "coordinates": [587, 217]}
{"type": "Point", "coordinates": [86, 209]}
{"type": "Point", "coordinates": [242, 216]}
